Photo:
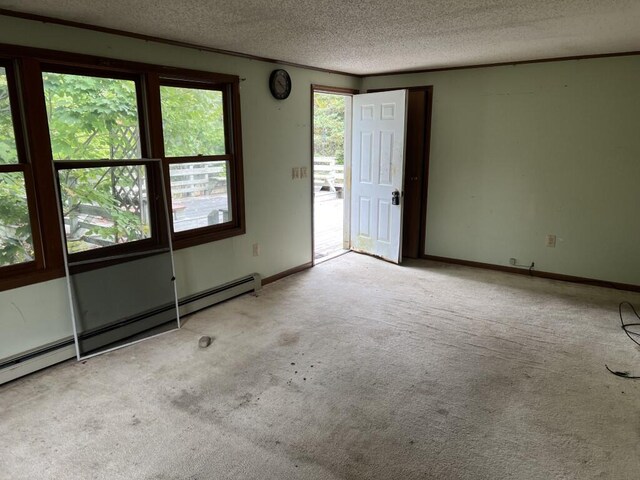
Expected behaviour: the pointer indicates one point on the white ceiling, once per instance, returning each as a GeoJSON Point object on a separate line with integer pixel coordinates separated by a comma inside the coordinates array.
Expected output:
{"type": "Point", "coordinates": [370, 36]}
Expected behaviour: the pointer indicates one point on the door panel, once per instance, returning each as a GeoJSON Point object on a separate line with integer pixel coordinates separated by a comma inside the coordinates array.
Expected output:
{"type": "Point", "coordinates": [379, 122]}
{"type": "Point", "coordinates": [366, 157]}
{"type": "Point", "coordinates": [365, 217]}
{"type": "Point", "coordinates": [384, 221]}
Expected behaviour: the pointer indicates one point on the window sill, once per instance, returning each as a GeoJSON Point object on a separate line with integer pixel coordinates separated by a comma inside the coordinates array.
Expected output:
{"type": "Point", "coordinates": [30, 278]}
{"type": "Point", "coordinates": [181, 240]}
{"type": "Point", "coordinates": [191, 239]}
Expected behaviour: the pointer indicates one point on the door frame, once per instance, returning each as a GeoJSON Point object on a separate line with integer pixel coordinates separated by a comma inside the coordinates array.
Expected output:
{"type": "Point", "coordinates": [350, 92]}
{"type": "Point", "coordinates": [428, 89]}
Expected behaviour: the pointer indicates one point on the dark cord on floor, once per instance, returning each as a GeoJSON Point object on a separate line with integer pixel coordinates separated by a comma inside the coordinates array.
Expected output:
{"type": "Point", "coordinates": [634, 336]}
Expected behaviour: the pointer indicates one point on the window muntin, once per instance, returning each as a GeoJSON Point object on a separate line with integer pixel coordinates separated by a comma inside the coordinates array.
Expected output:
{"type": "Point", "coordinates": [92, 118]}
{"type": "Point", "coordinates": [192, 121]}
{"type": "Point", "coordinates": [200, 195]}
{"type": "Point", "coordinates": [16, 239]}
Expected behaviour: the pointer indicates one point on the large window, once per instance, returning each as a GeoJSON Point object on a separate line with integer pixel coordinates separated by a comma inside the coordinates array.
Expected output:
{"type": "Point", "coordinates": [17, 250]}
{"type": "Point", "coordinates": [198, 148]}
{"type": "Point", "coordinates": [82, 136]}
{"type": "Point", "coordinates": [95, 120]}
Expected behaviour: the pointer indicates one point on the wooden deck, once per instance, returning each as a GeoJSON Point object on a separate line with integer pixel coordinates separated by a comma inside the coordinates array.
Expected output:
{"type": "Point", "coordinates": [328, 215]}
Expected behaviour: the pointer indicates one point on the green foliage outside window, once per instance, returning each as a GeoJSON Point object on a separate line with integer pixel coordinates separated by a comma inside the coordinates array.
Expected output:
{"type": "Point", "coordinates": [91, 118]}
{"type": "Point", "coordinates": [192, 122]}
{"type": "Point", "coordinates": [8, 153]}
{"type": "Point", "coordinates": [16, 243]}
{"type": "Point", "coordinates": [94, 118]}
{"type": "Point", "coordinates": [328, 126]}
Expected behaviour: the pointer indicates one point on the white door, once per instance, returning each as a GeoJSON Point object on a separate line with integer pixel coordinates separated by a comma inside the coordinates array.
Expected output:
{"type": "Point", "coordinates": [377, 173]}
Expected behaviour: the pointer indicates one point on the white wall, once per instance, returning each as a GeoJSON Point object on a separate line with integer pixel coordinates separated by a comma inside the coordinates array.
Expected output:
{"type": "Point", "coordinates": [276, 137]}
{"type": "Point", "coordinates": [34, 316]}
{"type": "Point", "coordinates": [519, 152]}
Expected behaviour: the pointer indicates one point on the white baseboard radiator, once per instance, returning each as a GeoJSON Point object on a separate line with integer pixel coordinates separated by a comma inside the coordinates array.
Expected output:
{"type": "Point", "coordinates": [198, 301]}
{"type": "Point", "coordinates": [48, 355]}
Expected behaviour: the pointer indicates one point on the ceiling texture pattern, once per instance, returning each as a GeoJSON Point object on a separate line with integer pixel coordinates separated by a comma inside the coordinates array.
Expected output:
{"type": "Point", "coordinates": [370, 36]}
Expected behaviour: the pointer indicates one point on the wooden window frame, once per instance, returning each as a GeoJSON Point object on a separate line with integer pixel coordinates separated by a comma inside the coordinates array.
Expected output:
{"type": "Point", "coordinates": [25, 66]}
{"type": "Point", "coordinates": [232, 155]}
{"type": "Point", "coordinates": [158, 239]}
{"type": "Point", "coordinates": [157, 223]}
{"type": "Point", "coordinates": [11, 275]}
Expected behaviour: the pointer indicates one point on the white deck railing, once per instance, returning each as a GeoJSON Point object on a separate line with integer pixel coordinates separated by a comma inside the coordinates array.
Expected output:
{"type": "Point", "coordinates": [198, 180]}
{"type": "Point", "coordinates": [327, 174]}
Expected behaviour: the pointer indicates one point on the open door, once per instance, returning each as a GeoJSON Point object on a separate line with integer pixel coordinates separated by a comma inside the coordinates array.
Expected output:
{"type": "Point", "coordinates": [377, 173]}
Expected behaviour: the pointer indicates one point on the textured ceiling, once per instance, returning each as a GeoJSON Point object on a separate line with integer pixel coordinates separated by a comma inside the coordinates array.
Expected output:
{"type": "Point", "coordinates": [370, 36]}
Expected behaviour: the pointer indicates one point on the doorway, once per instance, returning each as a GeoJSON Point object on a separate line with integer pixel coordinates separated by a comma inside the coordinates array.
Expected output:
{"type": "Point", "coordinates": [331, 172]}
{"type": "Point", "coordinates": [331, 148]}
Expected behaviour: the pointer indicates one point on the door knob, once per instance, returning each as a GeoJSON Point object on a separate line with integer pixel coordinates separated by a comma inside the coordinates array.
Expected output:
{"type": "Point", "coordinates": [395, 197]}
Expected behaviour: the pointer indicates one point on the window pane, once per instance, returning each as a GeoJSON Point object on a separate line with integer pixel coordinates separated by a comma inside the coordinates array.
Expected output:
{"type": "Point", "coordinates": [8, 152]}
{"type": "Point", "coordinates": [16, 244]}
{"type": "Point", "coordinates": [92, 118]}
{"type": "Point", "coordinates": [192, 121]}
{"type": "Point", "coordinates": [104, 206]}
{"type": "Point", "coordinates": [199, 194]}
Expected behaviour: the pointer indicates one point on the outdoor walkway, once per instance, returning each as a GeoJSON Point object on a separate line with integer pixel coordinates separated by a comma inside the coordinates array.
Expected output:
{"type": "Point", "coordinates": [328, 214]}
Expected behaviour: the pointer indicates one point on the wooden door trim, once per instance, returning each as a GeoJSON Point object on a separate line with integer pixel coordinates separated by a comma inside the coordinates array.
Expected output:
{"type": "Point", "coordinates": [425, 174]}
{"type": "Point", "coordinates": [315, 88]}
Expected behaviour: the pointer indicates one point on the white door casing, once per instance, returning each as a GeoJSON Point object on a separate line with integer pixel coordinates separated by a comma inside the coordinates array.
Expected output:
{"type": "Point", "coordinates": [377, 170]}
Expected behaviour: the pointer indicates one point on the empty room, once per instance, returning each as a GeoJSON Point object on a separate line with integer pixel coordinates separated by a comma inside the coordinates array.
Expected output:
{"type": "Point", "coordinates": [319, 240]}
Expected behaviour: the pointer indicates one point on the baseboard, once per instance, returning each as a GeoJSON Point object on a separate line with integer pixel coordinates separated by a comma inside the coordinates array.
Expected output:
{"type": "Point", "coordinates": [286, 273]}
{"type": "Point", "coordinates": [207, 298]}
{"type": "Point", "coordinates": [48, 355]}
{"type": "Point", "coordinates": [536, 273]}
{"type": "Point", "coordinates": [37, 360]}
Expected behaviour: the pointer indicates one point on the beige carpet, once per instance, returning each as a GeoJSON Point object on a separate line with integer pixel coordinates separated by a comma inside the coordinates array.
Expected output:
{"type": "Point", "coordinates": [356, 369]}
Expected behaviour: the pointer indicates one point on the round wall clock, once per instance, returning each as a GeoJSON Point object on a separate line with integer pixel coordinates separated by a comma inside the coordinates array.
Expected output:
{"type": "Point", "coordinates": [280, 84]}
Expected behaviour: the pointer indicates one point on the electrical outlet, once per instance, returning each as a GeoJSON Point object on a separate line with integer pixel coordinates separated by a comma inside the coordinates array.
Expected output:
{"type": "Point", "coordinates": [512, 261]}
{"type": "Point", "coordinates": [303, 172]}
{"type": "Point", "coordinates": [295, 172]}
{"type": "Point", "coordinates": [551, 241]}
{"type": "Point", "coordinates": [256, 249]}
